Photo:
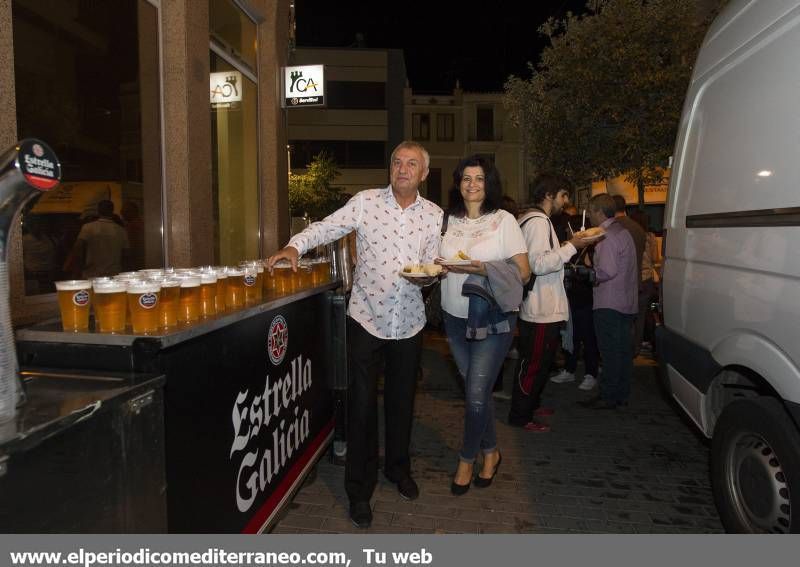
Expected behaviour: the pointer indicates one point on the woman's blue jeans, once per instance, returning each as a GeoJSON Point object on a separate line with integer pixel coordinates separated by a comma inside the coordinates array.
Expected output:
{"type": "Point", "coordinates": [479, 363]}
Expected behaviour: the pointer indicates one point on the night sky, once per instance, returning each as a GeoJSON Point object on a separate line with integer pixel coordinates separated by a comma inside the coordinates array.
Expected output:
{"type": "Point", "coordinates": [442, 40]}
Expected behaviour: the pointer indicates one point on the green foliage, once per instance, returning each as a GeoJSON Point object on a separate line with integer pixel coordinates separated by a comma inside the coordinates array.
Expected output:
{"type": "Point", "coordinates": [311, 192]}
{"type": "Point", "coordinates": [607, 94]}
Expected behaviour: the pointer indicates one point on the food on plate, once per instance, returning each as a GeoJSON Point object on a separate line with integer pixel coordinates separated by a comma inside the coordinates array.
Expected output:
{"type": "Point", "coordinates": [590, 232]}
{"type": "Point", "coordinates": [427, 269]}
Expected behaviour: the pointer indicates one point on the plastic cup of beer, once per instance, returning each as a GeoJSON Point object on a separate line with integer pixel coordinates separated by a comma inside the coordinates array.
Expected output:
{"type": "Point", "coordinates": [268, 282]}
{"type": "Point", "coordinates": [219, 298]}
{"type": "Point", "coordinates": [234, 289]}
{"type": "Point", "coordinates": [143, 301]}
{"type": "Point", "coordinates": [321, 271]}
{"type": "Point", "coordinates": [110, 306]}
{"type": "Point", "coordinates": [250, 281]}
{"type": "Point", "coordinates": [74, 300]}
{"type": "Point", "coordinates": [169, 302]}
{"type": "Point", "coordinates": [208, 294]}
{"type": "Point", "coordinates": [304, 270]}
{"type": "Point", "coordinates": [189, 303]}
{"type": "Point", "coordinates": [282, 273]}
{"type": "Point", "coordinates": [259, 280]}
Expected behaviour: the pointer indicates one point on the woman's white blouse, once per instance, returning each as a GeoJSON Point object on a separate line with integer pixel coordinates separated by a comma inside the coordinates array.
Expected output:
{"type": "Point", "coordinates": [491, 237]}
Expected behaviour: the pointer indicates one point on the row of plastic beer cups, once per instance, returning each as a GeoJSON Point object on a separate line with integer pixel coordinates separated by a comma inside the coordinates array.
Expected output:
{"type": "Point", "coordinates": [159, 299]}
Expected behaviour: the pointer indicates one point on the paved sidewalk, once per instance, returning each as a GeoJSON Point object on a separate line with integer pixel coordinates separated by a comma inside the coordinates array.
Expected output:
{"type": "Point", "coordinates": [638, 470]}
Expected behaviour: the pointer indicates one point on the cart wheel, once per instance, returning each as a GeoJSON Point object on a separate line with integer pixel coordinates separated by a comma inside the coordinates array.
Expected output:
{"type": "Point", "coordinates": [755, 468]}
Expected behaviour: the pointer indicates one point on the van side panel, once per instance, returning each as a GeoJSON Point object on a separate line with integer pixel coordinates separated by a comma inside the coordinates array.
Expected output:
{"type": "Point", "coordinates": [739, 150]}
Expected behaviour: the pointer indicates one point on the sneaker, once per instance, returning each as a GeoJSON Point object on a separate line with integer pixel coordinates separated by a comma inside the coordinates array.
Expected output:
{"type": "Point", "coordinates": [543, 412]}
{"type": "Point", "coordinates": [588, 383]}
{"type": "Point", "coordinates": [501, 395]}
{"type": "Point", "coordinates": [563, 377]}
{"type": "Point", "coordinates": [537, 427]}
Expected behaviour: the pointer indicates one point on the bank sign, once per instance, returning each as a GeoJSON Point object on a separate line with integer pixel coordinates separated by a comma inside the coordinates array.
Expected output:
{"type": "Point", "coordinates": [304, 86]}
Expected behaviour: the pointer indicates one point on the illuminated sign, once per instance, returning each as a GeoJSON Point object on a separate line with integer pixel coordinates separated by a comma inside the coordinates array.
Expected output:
{"type": "Point", "coordinates": [226, 87]}
{"type": "Point", "coordinates": [304, 86]}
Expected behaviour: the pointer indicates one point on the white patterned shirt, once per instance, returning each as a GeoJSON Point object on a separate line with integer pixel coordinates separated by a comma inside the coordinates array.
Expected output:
{"type": "Point", "coordinates": [388, 237]}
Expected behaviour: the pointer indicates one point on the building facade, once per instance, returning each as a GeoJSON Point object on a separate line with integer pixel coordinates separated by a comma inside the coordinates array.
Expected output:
{"type": "Point", "coordinates": [460, 124]}
{"type": "Point", "coordinates": [170, 109]}
{"type": "Point", "coordinates": [362, 120]}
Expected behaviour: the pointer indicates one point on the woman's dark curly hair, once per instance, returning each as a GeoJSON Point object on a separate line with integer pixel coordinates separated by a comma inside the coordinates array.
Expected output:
{"type": "Point", "coordinates": [492, 186]}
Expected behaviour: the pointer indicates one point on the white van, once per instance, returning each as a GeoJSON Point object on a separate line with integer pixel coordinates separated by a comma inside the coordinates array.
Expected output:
{"type": "Point", "coordinates": [730, 343]}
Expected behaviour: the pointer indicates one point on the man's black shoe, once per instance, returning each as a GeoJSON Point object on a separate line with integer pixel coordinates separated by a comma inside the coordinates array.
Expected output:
{"type": "Point", "coordinates": [361, 514]}
{"type": "Point", "coordinates": [408, 488]}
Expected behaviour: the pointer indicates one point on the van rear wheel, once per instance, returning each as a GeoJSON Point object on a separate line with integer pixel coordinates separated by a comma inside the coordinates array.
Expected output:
{"type": "Point", "coordinates": [755, 468]}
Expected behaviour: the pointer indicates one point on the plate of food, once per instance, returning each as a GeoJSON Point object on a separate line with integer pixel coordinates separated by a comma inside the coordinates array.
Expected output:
{"type": "Point", "coordinates": [459, 259]}
{"type": "Point", "coordinates": [420, 270]}
{"type": "Point", "coordinates": [591, 234]}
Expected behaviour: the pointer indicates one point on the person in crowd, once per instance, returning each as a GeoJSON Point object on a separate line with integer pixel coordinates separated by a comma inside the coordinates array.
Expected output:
{"type": "Point", "coordinates": [39, 253]}
{"type": "Point", "coordinates": [640, 242]}
{"type": "Point", "coordinates": [648, 282]}
{"type": "Point", "coordinates": [479, 228]}
{"type": "Point", "coordinates": [545, 308]}
{"type": "Point", "coordinates": [134, 227]}
{"type": "Point", "coordinates": [395, 226]}
{"type": "Point", "coordinates": [579, 294]}
{"type": "Point", "coordinates": [561, 222]}
{"type": "Point", "coordinates": [509, 205]}
{"type": "Point", "coordinates": [615, 303]}
{"type": "Point", "coordinates": [101, 248]}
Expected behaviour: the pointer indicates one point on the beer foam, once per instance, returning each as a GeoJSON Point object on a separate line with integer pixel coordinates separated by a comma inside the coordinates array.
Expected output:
{"type": "Point", "coordinates": [110, 287]}
{"type": "Point", "coordinates": [73, 285]}
{"type": "Point", "coordinates": [208, 278]}
{"type": "Point", "coordinates": [234, 272]}
{"type": "Point", "coordinates": [143, 287]}
{"type": "Point", "coordinates": [190, 281]}
{"type": "Point", "coordinates": [170, 282]}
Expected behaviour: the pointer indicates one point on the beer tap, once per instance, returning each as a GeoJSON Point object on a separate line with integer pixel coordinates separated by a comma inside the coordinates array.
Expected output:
{"type": "Point", "coordinates": [26, 169]}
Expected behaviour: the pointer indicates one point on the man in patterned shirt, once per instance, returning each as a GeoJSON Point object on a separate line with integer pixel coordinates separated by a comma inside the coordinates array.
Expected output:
{"type": "Point", "coordinates": [394, 226]}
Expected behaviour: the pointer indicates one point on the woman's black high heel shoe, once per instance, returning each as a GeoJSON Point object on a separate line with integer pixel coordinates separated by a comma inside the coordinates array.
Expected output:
{"type": "Point", "coordinates": [481, 482]}
{"type": "Point", "coordinates": [458, 489]}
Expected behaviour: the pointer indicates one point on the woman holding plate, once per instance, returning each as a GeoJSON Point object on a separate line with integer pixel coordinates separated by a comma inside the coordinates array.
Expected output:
{"type": "Point", "coordinates": [483, 243]}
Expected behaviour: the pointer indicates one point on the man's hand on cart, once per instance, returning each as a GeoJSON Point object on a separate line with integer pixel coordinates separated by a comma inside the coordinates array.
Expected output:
{"type": "Point", "coordinates": [288, 253]}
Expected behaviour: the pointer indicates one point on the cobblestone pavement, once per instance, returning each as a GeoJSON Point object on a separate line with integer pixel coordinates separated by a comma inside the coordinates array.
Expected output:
{"type": "Point", "coordinates": [638, 470]}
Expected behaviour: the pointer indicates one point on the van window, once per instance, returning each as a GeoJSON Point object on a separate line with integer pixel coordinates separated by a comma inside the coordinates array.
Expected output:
{"type": "Point", "coordinates": [742, 147]}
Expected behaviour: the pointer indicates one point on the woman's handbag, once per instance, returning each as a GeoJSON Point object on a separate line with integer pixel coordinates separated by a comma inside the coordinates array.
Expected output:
{"type": "Point", "coordinates": [432, 295]}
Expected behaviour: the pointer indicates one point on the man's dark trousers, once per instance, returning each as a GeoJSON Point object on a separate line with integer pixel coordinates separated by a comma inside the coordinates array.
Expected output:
{"type": "Point", "coordinates": [537, 349]}
{"type": "Point", "coordinates": [400, 360]}
{"type": "Point", "coordinates": [613, 330]}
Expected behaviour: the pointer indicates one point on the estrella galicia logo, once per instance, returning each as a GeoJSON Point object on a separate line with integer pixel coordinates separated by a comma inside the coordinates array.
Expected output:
{"type": "Point", "coordinates": [249, 280]}
{"type": "Point", "coordinates": [278, 340]}
{"type": "Point", "coordinates": [81, 298]}
{"type": "Point", "coordinates": [301, 85]}
{"type": "Point", "coordinates": [148, 300]}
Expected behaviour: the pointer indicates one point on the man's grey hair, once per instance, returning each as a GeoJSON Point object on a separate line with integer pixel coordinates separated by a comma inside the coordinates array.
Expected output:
{"type": "Point", "coordinates": [409, 145]}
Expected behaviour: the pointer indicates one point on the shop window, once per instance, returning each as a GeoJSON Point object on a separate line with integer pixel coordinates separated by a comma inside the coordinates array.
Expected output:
{"type": "Point", "coordinates": [421, 126]}
{"type": "Point", "coordinates": [234, 168]}
{"type": "Point", "coordinates": [485, 123]}
{"type": "Point", "coordinates": [445, 127]}
{"type": "Point", "coordinates": [87, 83]}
